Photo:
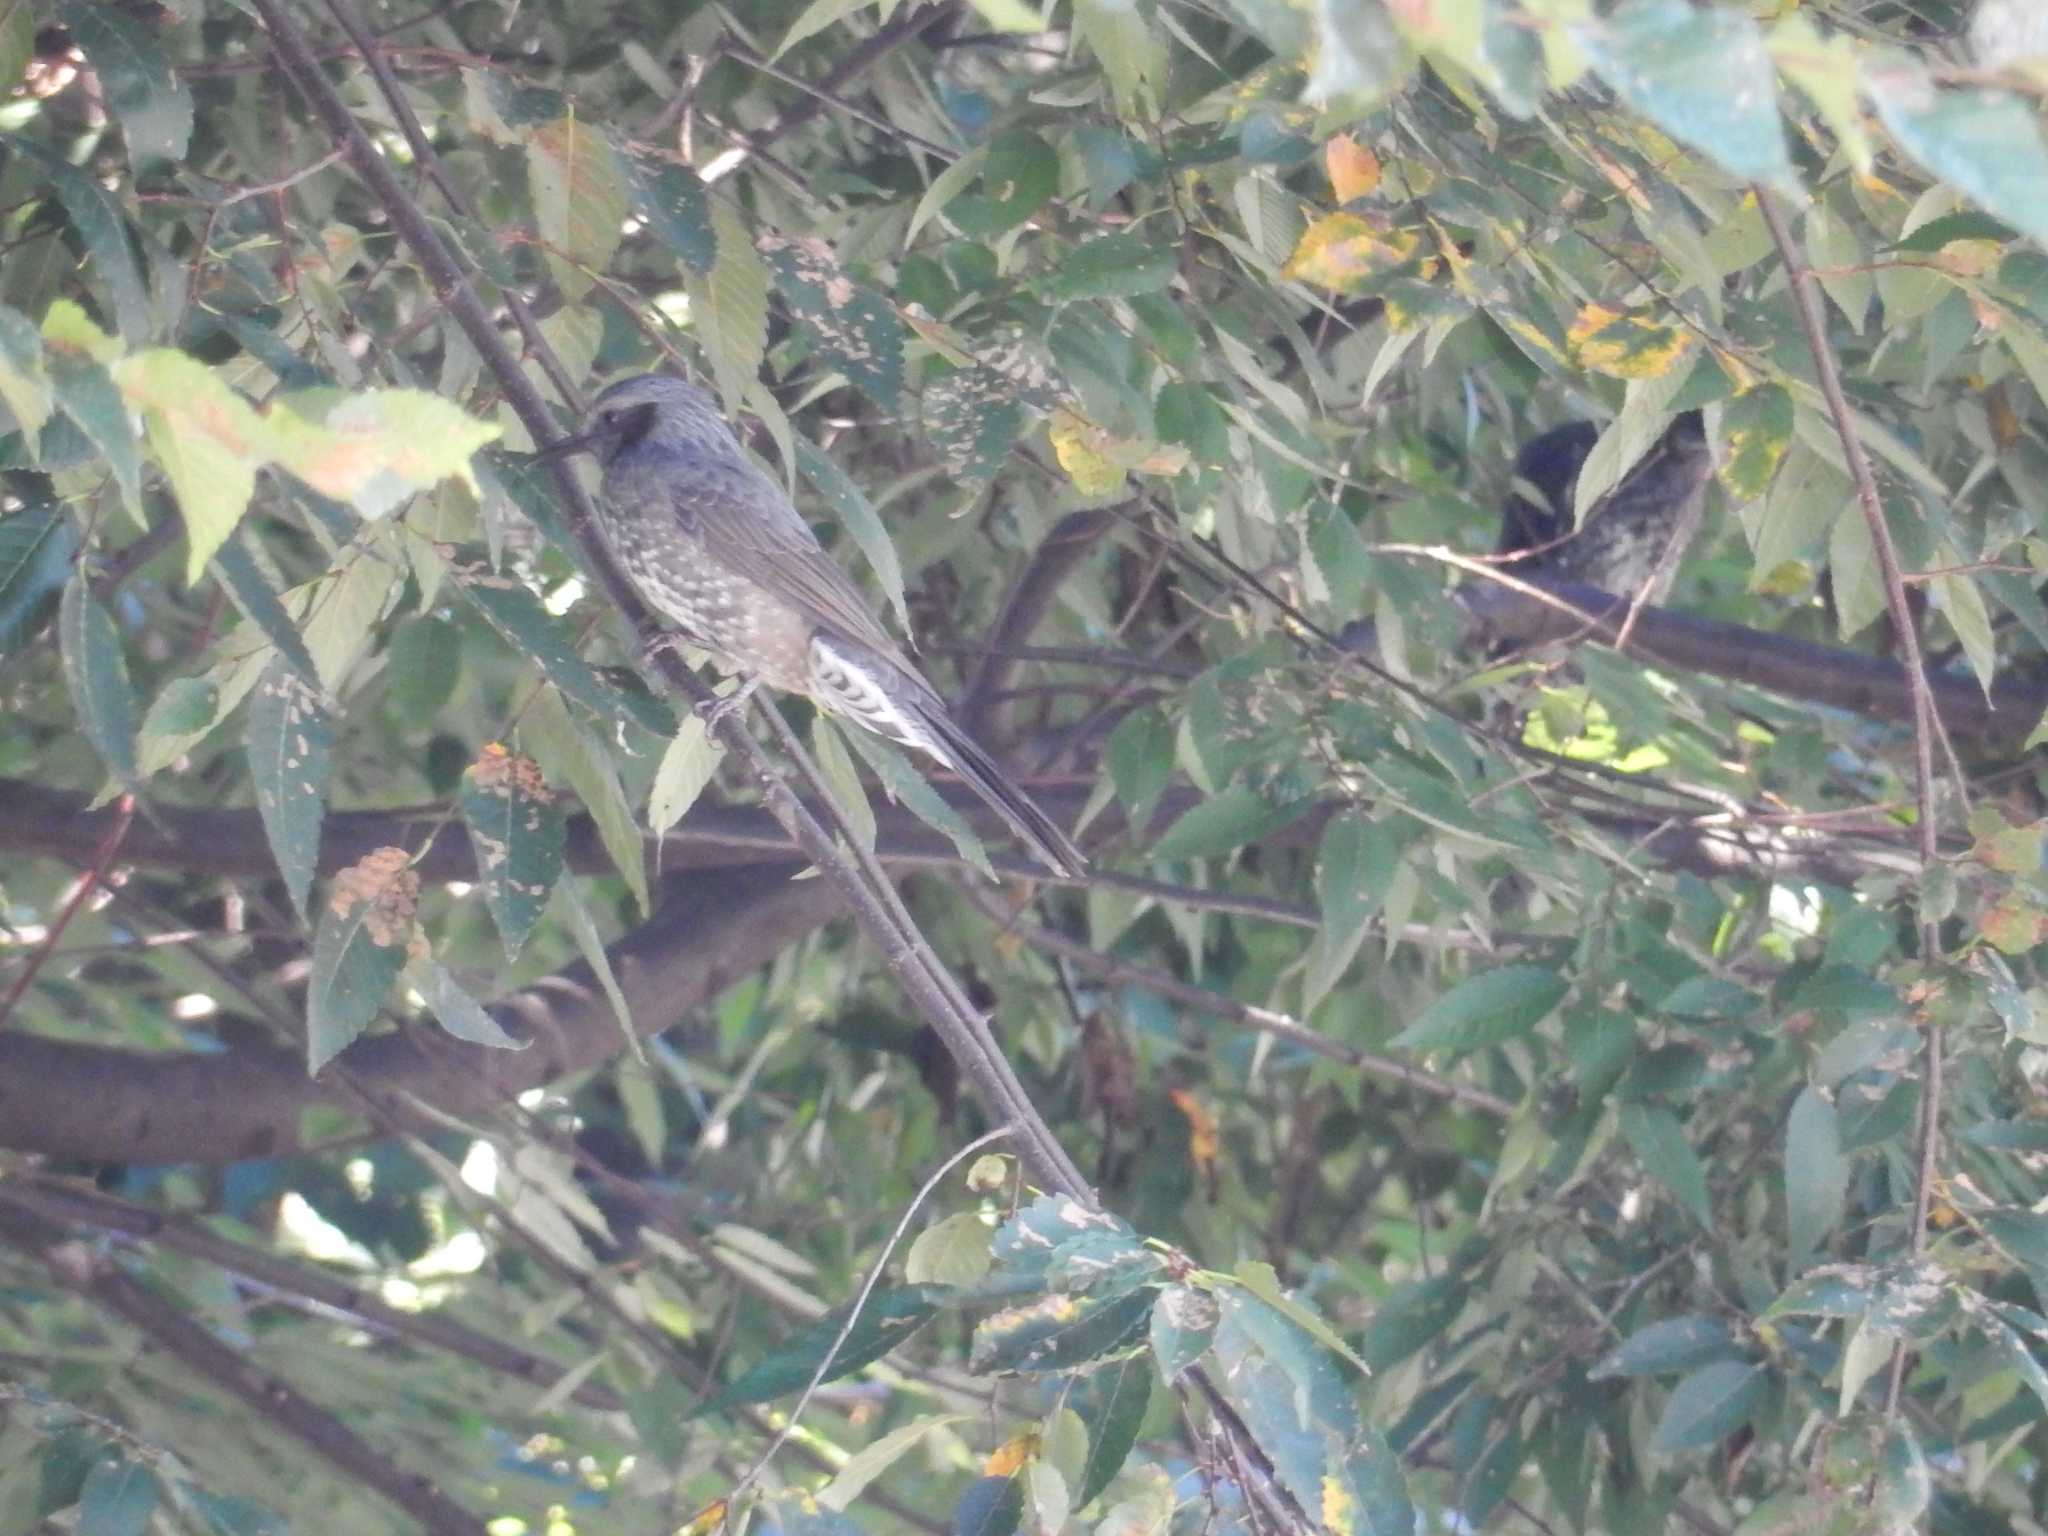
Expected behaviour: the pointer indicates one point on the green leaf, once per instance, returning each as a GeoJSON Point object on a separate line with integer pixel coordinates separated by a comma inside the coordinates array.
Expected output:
{"type": "Point", "coordinates": [991, 1506]}
{"type": "Point", "coordinates": [1141, 759]}
{"type": "Point", "coordinates": [1059, 1331]}
{"type": "Point", "coordinates": [1486, 1009]}
{"type": "Point", "coordinates": [1986, 143]}
{"type": "Point", "coordinates": [358, 950]}
{"type": "Point", "coordinates": [96, 672]}
{"type": "Point", "coordinates": [729, 305]}
{"type": "Point", "coordinates": [1131, 48]}
{"type": "Point", "coordinates": [96, 218]}
{"type": "Point", "coordinates": [1757, 429]}
{"type": "Point", "coordinates": [687, 766]}
{"type": "Point", "coordinates": [672, 201]}
{"type": "Point", "coordinates": [37, 546]}
{"type": "Point", "coordinates": [460, 1014]}
{"type": "Point", "coordinates": [579, 199]}
{"type": "Point", "coordinates": [1111, 1402]}
{"type": "Point", "coordinates": [1113, 266]}
{"type": "Point", "coordinates": [972, 417]}
{"type": "Point", "coordinates": [1183, 1327]}
{"type": "Point", "coordinates": [421, 666]}
{"type": "Point", "coordinates": [852, 327]}
{"type": "Point", "coordinates": [289, 740]}
{"type": "Point", "coordinates": [1410, 1318]}
{"type": "Point", "coordinates": [1703, 76]}
{"type": "Point", "coordinates": [858, 517]}
{"type": "Point", "coordinates": [185, 706]}
{"type": "Point", "coordinates": [876, 1457]}
{"type": "Point", "coordinates": [886, 1319]}
{"type": "Point", "coordinates": [1667, 1346]}
{"type": "Point", "coordinates": [518, 615]}
{"type": "Point", "coordinates": [517, 830]}
{"type": "Point", "coordinates": [1224, 822]}
{"type": "Point", "coordinates": [237, 571]}
{"type": "Point", "coordinates": [118, 1498]}
{"type": "Point", "coordinates": [568, 755]}
{"type": "Point", "coordinates": [24, 389]}
{"type": "Point", "coordinates": [910, 787]}
{"type": "Point", "coordinates": [154, 108]}
{"type": "Point", "coordinates": [86, 393]}
{"type": "Point", "coordinates": [1020, 172]}
{"type": "Point", "coordinates": [1659, 1140]}
{"type": "Point", "coordinates": [1816, 1174]}
{"type": "Point", "coordinates": [1710, 1404]}
{"type": "Point", "coordinates": [1025, 1244]}
{"type": "Point", "coordinates": [954, 1251]}
{"type": "Point", "coordinates": [1355, 863]}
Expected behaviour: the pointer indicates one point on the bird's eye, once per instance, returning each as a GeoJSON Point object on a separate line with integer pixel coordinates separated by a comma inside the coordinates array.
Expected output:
{"type": "Point", "coordinates": [609, 416]}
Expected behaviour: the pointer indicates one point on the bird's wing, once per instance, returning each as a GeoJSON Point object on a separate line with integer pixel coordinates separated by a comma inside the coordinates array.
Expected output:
{"type": "Point", "coordinates": [747, 526]}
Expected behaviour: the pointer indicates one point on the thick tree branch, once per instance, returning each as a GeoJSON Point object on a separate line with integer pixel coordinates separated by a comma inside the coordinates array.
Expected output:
{"type": "Point", "coordinates": [72, 1099]}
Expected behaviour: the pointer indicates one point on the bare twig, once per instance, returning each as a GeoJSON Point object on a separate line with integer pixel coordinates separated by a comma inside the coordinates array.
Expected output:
{"type": "Point", "coordinates": [1925, 721]}
{"type": "Point", "coordinates": [124, 816]}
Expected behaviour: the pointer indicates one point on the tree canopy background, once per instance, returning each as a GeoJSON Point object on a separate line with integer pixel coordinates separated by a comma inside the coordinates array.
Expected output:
{"type": "Point", "coordinates": [1579, 1086]}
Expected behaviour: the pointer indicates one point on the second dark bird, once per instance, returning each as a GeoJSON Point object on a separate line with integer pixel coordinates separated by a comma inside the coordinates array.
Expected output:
{"type": "Point", "coordinates": [714, 546]}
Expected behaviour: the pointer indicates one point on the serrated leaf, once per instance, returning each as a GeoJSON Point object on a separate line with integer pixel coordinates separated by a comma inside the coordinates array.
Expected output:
{"type": "Point", "coordinates": [672, 202]}
{"type": "Point", "coordinates": [1112, 266]}
{"type": "Point", "coordinates": [97, 220]}
{"type": "Point", "coordinates": [517, 830]}
{"type": "Point", "coordinates": [1703, 76]}
{"type": "Point", "coordinates": [421, 667]}
{"type": "Point", "coordinates": [209, 441]}
{"type": "Point", "coordinates": [906, 785]}
{"type": "Point", "coordinates": [1986, 143]}
{"type": "Point", "coordinates": [853, 328]}
{"type": "Point", "coordinates": [1132, 51]}
{"type": "Point", "coordinates": [374, 448]}
{"type": "Point", "coordinates": [289, 741]}
{"type": "Point", "coordinates": [888, 1317]}
{"type": "Point", "coordinates": [1659, 1140]}
{"type": "Point", "coordinates": [1141, 759]}
{"type": "Point", "coordinates": [1111, 1401]}
{"type": "Point", "coordinates": [973, 419]}
{"type": "Point", "coordinates": [154, 108]}
{"type": "Point", "coordinates": [460, 1014]}
{"type": "Point", "coordinates": [37, 546]}
{"type": "Point", "coordinates": [358, 950]}
{"type": "Point", "coordinates": [859, 518]}
{"type": "Point", "coordinates": [689, 763]}
{"type": "Point", "coordinates": [1711, 1403]}
{"type": "Point", "coordinates": [1059, 1331]}
{"type": "Point", "coordinates": [96, 672]}
{"type": "Point", "coordinates": [1666, 1347]}
{"type": "Point", "coordinates": [184, 706]}
{"type": "Point", "coordinates": [579, 199]}
{"type": "Point", "coordinates": [24, 389]}
{"type": "Point", "coordinates": [87, 395]}
{"type": "Point", "coordinates": [1183, 1327]}
{"type": "Point", "coordinates": [1852, 561]}
{"type": "Point", "coordinates": [118, 1498]}
{"type": "Point", "coordinates": [729, 305]}
{"type": "Point", "coordinates": [1355, 863]}
{"type": "Point", "coordinates": [1486, 1009]}
{"type": "Point", "coordinates": [237, 571]}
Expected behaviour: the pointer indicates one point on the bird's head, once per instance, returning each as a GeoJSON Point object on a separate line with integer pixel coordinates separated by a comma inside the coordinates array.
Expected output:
{"type": "Point", "coordinates": [651, 410]}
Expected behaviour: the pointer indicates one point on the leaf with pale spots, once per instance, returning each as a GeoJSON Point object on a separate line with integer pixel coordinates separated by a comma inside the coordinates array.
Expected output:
{"type": "Point", "coordinates": [852, 327]}
{"type": "Point", "coordinates": [1627, 346]}
{"type": "Point", "coordinates": [289, 740]}
{"type": "Point", "coordinates": [516, 828]}
{"type": "Point", "coordinates": [365, 933]}
{"type": "Point", "coordinates": [972, 418]}
{"type": "Point", "coordinates": [1058, 1332]}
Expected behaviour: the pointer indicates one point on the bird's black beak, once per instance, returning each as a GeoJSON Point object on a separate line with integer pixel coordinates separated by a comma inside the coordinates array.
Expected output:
{"type": "Point", "coordinates": [563, 447]}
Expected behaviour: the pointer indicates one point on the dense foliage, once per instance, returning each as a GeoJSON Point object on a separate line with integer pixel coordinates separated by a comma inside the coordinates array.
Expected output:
{"type": "Point", "coordinates": [1587, 1085]}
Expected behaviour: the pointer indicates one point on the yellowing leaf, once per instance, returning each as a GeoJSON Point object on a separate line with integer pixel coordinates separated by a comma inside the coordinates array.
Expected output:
{"type": "Point", "coordinates": [1626, 346]}
{"type": "Point", "coordinates": [1354, 169]}
{"type": "Point", "coordinates": [209, 440]}
{"type": "Point", "coordinates": [580, 200]}
{"type": "Point", "coordinates": [1205, 1138]}
{"type": "Point", "coordinates": [67, 328]}
{"type": "Point", "coordinates": [1343, 251]}
{"type": "Point", "coordinates": [374, 449]}
{"type": "Point", "coordinates": [1097, 460]}
{"type": "Point", "coordinates": [1009, 1458]}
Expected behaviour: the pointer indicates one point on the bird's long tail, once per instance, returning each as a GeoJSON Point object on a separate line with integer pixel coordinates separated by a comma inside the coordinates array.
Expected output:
{"type": "Point", "coordinates": [875, 692]}
{"type": "Point", "coordinates": [982, 774]}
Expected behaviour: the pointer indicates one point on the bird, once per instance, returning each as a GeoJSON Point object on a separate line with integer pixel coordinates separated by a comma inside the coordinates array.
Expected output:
{"type": "Point", "coordinates": [713, 544]}
{"type": "Point", "coordinates": [1631, 538]}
